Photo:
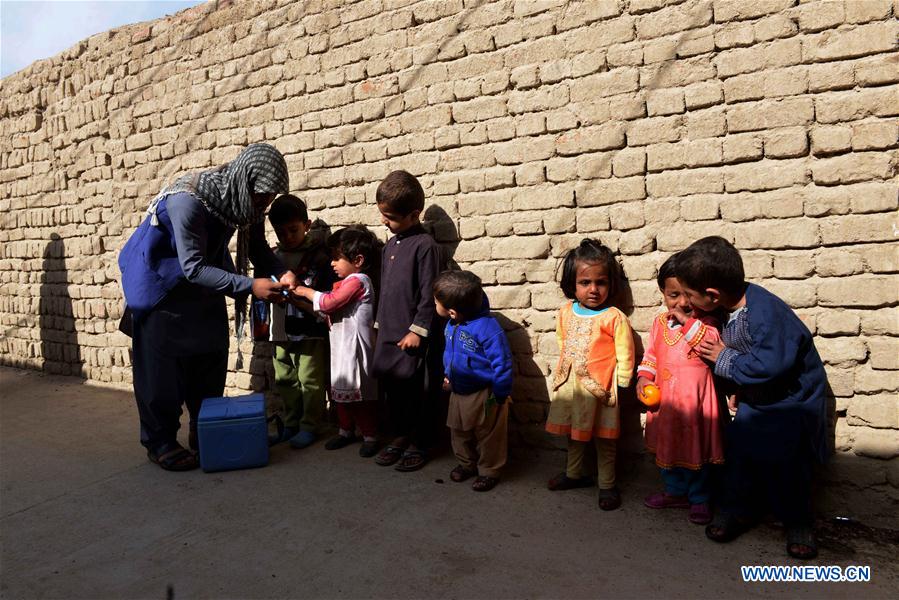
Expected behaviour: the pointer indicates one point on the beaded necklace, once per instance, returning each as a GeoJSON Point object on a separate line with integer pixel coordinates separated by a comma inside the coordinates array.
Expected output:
{"type": "Point", "coordinates": [665, 332]}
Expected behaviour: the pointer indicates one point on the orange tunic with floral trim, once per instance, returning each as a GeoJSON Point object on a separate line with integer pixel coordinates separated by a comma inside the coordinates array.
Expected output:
{"type": "Point", "coordinates": [597, 357]}
{"type": "Point", "coordinates": [686, 429]}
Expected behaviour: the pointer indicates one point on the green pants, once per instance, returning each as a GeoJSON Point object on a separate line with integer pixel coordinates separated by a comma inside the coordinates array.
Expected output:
{"type": "Point", "coordinates": [301, 373]}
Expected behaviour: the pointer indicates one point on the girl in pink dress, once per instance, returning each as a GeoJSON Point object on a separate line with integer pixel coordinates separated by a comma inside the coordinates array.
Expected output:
{"type": "Point", "coordinates": [684, 431]}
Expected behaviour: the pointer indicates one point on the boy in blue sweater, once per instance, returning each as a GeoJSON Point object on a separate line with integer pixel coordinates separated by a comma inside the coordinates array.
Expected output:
{"type": "Point", "coordinates": [478, 367]}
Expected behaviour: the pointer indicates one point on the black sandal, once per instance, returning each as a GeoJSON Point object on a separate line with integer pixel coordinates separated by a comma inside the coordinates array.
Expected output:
{"type": "Point", "coordinates": [412, 460]}
{"type": "Point", "coordinates": [609, 499]}
{"type": "Point", "coordinates": [484, 483]}
{"type": "Point", "coordinates": [174, 458]}
{"type": "Point", "coordinates": [799, 537]}
{"type": "Point", "coordinates": [389, 455]}
{"type": "Point", "coordinates": [460, 474]}
{"type": "Point", "coordinates": [563, 482]}
{"type": "Point", "coordinates": [726, 528]}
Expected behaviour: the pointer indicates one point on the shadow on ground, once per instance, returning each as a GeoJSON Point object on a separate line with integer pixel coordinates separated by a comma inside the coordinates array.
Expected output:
{"type": "Point", "coordinates": [84, 515]}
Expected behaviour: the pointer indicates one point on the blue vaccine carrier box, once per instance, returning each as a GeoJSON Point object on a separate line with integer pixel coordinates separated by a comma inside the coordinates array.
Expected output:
{"type": "Point", "coordinates": [232, 433]}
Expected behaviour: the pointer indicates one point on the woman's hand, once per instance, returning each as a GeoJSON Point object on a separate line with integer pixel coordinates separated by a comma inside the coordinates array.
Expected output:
{"type": "Point", "coordinates": [266, 289]}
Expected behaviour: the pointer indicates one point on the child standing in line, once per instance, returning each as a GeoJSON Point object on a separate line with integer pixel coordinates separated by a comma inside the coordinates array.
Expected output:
{"type": "Point", "coordinates": [779, 428]}
{"type": "Point", "coordinates": [597, 358]}
{"type": "Point", "coordinates": [407, 353]}
{"type": "Point", "coordinates": [300, 337]}
{"type": "Point", "coordinates": [350, 310]}
{"type": "Point", "coordinates": [478, 366]}
{"type": "Point", "coordinates": [684, 431]}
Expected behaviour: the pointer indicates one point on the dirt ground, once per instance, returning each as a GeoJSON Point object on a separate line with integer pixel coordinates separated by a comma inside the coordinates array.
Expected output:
{"type": "Point", "coordinates": [85, 515]}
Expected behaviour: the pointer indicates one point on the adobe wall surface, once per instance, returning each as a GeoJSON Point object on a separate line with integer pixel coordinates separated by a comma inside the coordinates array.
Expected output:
{"type": "Point", "coordinates": [645, 123]}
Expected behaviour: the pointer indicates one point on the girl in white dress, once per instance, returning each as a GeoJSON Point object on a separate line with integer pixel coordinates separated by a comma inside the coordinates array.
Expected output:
{"type": "Point", "coordinates": [349, 307]}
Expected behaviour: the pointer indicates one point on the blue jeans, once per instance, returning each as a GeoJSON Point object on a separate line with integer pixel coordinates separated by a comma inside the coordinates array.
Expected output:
{"type": "Point", "coordinates": [687, 482]}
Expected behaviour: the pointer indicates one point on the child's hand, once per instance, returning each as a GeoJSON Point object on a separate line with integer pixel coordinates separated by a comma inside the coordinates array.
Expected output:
{"type": "Point", "coordinates": [732, 402]}
{"type": "Point", "coordinates": [446, 385]}
{"type": "Point", "coordinates": [642, 382]}
{"type": "Point", "coordinates": [409, 341]}
{"type": "Point", "coordinates": [303, 292]}
{"type": "Point", "coordinates": [678, 315]}
{"type": "Point", "coordinates": [288, 279]}
{"type": "Point", "coordinates": [710, 350]}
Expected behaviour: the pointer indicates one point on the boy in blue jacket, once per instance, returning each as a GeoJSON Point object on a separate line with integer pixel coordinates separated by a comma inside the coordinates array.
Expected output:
{"type": "Point", "coordinates": [778, 431]}
{"type": "Point", "coordinates": [478, 367]}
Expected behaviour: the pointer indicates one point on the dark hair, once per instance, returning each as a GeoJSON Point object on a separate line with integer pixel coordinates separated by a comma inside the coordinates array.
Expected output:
{"type": "Point", "coordinates": [401, 193]}
{"type": "Point", "coordinates": [354, 241]}
{"type": "Point", "coordinates": [286, 209]}
{"type": "Point", "coordinates": [590, 251]}
{"type": "Point", "coordinates": [667, 270]}
{"type": "Point", "coordinates": [459, 291]}
{"type": "Point", "coordinates": [712, 262]}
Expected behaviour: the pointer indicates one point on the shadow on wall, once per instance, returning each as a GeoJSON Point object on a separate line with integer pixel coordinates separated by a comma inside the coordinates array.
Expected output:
{"type": "Point", "coordinates": [59, 339]}
{"type": "Point", "coordinates": [443, 229]}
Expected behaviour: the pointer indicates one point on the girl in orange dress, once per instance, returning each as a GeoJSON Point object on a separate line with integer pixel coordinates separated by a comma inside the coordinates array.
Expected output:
{"type": "Point", "coordinates": [597, 357]}
{"type": "Point", "coordinates": [684, 431]}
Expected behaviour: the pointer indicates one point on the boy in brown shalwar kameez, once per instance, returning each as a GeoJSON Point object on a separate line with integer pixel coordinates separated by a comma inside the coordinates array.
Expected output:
{"type": "Point", "coordinates": [409, 345]}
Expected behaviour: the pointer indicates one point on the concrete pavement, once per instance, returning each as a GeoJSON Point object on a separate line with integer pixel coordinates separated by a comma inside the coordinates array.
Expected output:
{"type": "Point", "coordinates": [83, 514]}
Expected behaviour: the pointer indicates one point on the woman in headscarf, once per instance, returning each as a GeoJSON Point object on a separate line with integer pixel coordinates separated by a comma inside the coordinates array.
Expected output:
{"type": "Point", "coordinates": [176, 271]}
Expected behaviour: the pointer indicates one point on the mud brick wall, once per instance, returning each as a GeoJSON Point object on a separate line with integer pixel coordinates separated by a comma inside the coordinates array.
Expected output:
{"type": "Point", "coordinates": [645, 123]}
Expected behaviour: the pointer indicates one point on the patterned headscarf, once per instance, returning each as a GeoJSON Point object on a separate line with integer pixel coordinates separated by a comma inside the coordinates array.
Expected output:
{"type": "Point", "coordinates": [227, 193]}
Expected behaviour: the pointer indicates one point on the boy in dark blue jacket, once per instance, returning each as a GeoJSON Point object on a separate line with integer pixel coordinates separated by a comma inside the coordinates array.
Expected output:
{"type": "Point", "coordinates": [779, 429]}
{"type": "Point", "coordinates": [478, 367]}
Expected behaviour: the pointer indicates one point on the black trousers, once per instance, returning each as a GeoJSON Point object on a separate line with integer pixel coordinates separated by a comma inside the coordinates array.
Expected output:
{"type": "Point", "coordinates": [783, 486]}
{"type": "Point", "coordinates": [180, 357]}
{"type": "Point", "coordinates": [414, 403]}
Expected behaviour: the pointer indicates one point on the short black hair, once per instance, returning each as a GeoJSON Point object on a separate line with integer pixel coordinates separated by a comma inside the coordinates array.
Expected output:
{"type": "Point", "coordinates": [357, 240]}
{"type": "Point", "coordinates": [712, 262]}
{"type": "Point", "coordinates": [286, 209]}
{"type": "Point", "coordinates": [593, 252]}
{"type": "Point", "coordinates": [459, 291]}
{"type": "Point", "coordinates": [401, 193]}
{"type": "Point", "coordinates": [667, 270]}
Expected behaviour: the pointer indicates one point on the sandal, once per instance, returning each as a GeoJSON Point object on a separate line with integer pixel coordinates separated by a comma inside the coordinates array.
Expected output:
{"type": "Point", "coordinates": [801, 543]}
{"type": "Point", "coordinates": [700, 514]}
{"type": "Point", "coordinates": [176, 458]}
{"type": "Point", "coordinates": [389, 455]}
{"type": "Point", "coordinates": [460, 474]}
{"type": "Point", "coordinates": [340, 441]}
{"type": "Point", "coordinates": [412, 460]}
{"type": "Point", "coordinates": [609, 499]}
{"type": "Point", "coordinates": [563, 482]}
{"type": "Point", "coordinates": [726, 528]}
{"type": "Point", "coordinates": [665, 500]}
{"type": "Point", "coordinates": [484, 484]}
{"type": "Point", "coordinates": [368, 449]}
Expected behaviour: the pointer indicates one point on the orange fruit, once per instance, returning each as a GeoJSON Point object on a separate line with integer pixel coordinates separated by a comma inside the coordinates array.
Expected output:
{"type": "Point", "coordinates": [651, 395]}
